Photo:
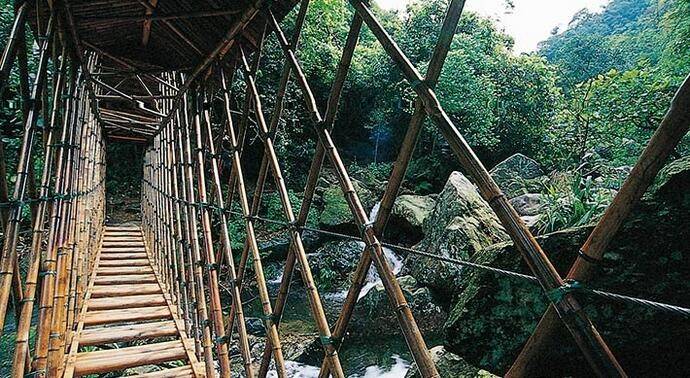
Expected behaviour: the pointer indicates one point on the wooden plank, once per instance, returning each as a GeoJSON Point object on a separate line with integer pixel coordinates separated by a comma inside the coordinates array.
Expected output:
{"type": "Point", "coordinates": [122, 228]}
{"type": "Point", "coordinates": [118, 334]}
{"type": "Point", "coordinates": [127, 315]}
{"type": "Point", "coordinates": [130, 301]}
{"type": "Point", "coordinates": [123, 256]}
{"type": "Point", "coordinates": [179, 372]}
{"type": "Point", "coordinates": [197, 368]}
{"type": "Point", "coordinates": [123, 243]}
{"type": "Point", "coordinates": [116, 249]}
{"type": "Point", "coordinates": [128, 279]}
{"type": "Point", "coordinates": [110, 271]}
{"type": "Point", "coordinates": [124, 262]}
{"type": "Point", "coordinates": [122, 290]}
{"type": "Point", "coordinates": [110, 239]}
{"type": "Point", "coordinates": [106, 360]}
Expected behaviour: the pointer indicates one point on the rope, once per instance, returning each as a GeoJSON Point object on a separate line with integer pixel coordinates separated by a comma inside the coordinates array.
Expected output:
{"type": "Point", "coordinates": [555, 295]}
{"type": "Point", "coordinates": [22, 203]}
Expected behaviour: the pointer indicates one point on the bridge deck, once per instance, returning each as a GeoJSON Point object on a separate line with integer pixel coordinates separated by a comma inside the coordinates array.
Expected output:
{"type": "Point", "coordinates": [126, 304]}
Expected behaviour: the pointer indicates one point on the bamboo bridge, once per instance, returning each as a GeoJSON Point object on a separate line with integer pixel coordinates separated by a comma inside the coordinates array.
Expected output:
{"type": "Point", "coordinates": [105, 74]}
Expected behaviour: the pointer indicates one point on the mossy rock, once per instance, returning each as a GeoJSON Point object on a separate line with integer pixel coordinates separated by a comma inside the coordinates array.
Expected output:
{"type": "Point", "coordinates": [492, 316]}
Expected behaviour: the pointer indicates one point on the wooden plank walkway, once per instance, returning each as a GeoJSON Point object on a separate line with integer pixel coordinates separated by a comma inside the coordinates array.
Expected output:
{"type": "Point", "coordinates": [128, 319]}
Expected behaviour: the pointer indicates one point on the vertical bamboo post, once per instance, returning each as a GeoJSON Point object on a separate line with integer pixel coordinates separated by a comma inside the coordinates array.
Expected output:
{"type": "Point", "coordinates": [408, 325]}
{"type": "Point", "coordinates": [196, 254]}
{"type": "Point", "coordinates": [212, 272]}
{"type": "Point", "coordinates": [596, 351]}
{"type": "Point", "coordinates": [49, 263]}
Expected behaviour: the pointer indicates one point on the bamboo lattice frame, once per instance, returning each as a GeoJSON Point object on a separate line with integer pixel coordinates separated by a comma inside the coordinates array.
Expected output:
{"type": "Point", "coordinates": [98, 93]}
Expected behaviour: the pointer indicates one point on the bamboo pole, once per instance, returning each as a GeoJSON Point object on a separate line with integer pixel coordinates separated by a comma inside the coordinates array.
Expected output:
{"type": "Point", "coordinates": [9, 253]}
{"type": "Point", "coordinates": [271, 329]}
{"type": "Point", "coordinates": [21, 352]}
{"type": "Point", "coordinates": [318, 313]}
{"type": "Point", "coordinates": [212, 270]}
{"type": "Point", "coordinates": [207, 344]}
{"type": "Point", "coordinates": [399, 167]}
{"type": "Point", "coordinates": [673, 127]}
{"type": "Point", "coordinates": [602, 361]}
{"type": "Point", "coordinates": [49, 263]}
{"type": "Point", "coordinates": [225, 237]}
{"type": "Point", "coordinates": [408, 325]}
{"type": "Point", "coordinates": [13, 40]}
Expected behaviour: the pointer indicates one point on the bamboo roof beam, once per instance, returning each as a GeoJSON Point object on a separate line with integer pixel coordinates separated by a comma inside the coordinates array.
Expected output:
{"type": "Point", "coordinates": [107, 20]}
{"type": "Point", "coordinates": [223, 46]}
{"type": "Point", "coordinates": [146, 32]}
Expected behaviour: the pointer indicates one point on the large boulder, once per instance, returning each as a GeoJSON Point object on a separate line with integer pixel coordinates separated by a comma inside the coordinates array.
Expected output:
{"type": "Point", "coordinates": [450, 364]}
{"type": "Point", "coordinates": [461, 224]}
{"type": "Point", "coordinates": [491, 317]}
{"type": "Point", "coordinates": [516, 174]}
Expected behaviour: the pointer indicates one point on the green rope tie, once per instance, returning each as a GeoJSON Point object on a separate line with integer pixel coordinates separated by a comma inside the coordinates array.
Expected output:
{"type": "Point", "coordinates": [569, 286]}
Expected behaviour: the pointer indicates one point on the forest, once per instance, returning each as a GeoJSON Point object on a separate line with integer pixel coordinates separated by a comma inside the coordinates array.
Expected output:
{"type": "Point", "coordinates": [559, 127]}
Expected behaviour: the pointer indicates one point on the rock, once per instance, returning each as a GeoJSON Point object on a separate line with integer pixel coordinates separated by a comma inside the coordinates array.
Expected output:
{"type": "Point", "coordinates": [374, 316]}
{"type": "Point", "coordinates": [461, 224]}
{"type": "Point", "coordinates": [450, 365]}
{"type": "Point", "coordinates": [414, 209]}
{"type": "Point", "coordinates": [332, 263]}
{"type": "Point", "coordinates": [255, 326]}
{"type": "Point", "coordinates": [673, 182]}
{"type": "Point", "coordinates": [406, 222]}
{"type": "Point", "coordinates": [276, 248]}
{"type": "Point", "coordinates": [511, 174]}
{"type": "Point", "coordinates": [527, 204]}
{"type": "Point", "coordinates": [491, 317]}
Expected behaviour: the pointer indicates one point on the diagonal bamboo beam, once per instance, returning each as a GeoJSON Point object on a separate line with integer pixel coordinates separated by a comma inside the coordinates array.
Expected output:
{"type": "Point", "coordinates": [146, 32]}
{"type": "Point", "coordinates": [331, 355]}
{"type": "Point", "coordinates": [408, 325]}
{"type": "Point", "coordinates": [315, 169]}
{"type": "Point", "coordinates": [400, 167]}
{"type": "Point", "coordinates": [225, 237]}
{"type": "Point", "coordinates": [13, 41]}
{"type": "Point", "coordinates": [597, 353]}
{"type": "Point", "coordinates": [673, 128]}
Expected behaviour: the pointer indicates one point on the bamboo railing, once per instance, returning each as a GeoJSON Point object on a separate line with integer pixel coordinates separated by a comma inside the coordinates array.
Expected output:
{"type": "Point", "coordinates": [193, 172]}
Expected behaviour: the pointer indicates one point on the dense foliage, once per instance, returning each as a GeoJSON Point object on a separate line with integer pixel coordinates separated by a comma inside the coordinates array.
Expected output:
{"type": "Point", "coordinates": [600, 87]}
